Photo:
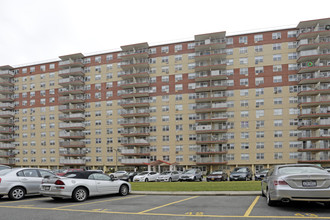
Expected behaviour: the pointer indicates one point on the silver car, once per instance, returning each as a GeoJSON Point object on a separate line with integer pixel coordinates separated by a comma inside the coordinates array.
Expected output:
{"type": "Point", "coordinates": [18, 182]}
{"type": "Point", "coordinates": [168, 176]}
{"type": "Point", "coordinates": [296, 182]}
{"type": "Point", "coordinates": [81, 185]}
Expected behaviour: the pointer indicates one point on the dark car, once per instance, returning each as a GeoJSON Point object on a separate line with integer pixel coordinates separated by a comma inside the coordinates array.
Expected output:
{"type": "Point", "coordinates": [217, 176]}
{"type": "Point", "coordinates": [241, 173]}
{"type": "Point", "coordinates": [260, 174]}
{"type": "Point", "coordinates": [131, 175]}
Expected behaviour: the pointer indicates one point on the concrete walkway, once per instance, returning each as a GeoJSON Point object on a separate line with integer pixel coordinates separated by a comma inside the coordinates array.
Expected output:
{"type": "Point", "coordinates": [199, 193]}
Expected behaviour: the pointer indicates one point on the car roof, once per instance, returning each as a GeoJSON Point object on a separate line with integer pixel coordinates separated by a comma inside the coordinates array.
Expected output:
{"type": "Point", "coordinates": [81, 174]}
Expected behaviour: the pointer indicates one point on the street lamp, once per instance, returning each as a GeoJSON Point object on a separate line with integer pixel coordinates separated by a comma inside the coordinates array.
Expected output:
{"type": "Point", "coordinates": [116, 150]}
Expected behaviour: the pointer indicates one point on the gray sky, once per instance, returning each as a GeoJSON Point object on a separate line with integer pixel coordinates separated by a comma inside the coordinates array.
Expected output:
{"type": "Point", "coordinates": [40, 30]}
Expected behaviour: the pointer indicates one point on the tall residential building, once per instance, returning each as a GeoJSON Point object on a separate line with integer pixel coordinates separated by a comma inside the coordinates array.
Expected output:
{"type": "Point", "coordinates": [214, 102]}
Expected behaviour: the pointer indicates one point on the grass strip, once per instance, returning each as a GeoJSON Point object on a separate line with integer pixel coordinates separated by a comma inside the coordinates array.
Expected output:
{"type": "Point", "coordinates": [197, 186]}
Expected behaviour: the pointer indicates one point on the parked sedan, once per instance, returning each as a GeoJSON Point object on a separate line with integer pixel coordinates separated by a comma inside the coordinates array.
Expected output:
{"type": "Point", "coordinates": [18, 182]}
{"type": "Point", "coordinates": [63, 172]}
{"type": "Point", "coordinates": [81, 185]}
{"type": "Point", "coordinates": [261, 174]}
{"type": "Point", "coordinates": [296, 182]}
{"type": "Point", "coordinates": [240, 173]}
{"type": "Point", "coordinates": [146, 176]}
{"type": "Point", "coordinates": [217, 176]}
{"type": "Point", "coordinates": [168, 176]}
{"type": "Point", "coordinates": [3, 167]}
{"type": "Point", "coordinates": [121, 175]}
{"type": "Point", "coordinates": [191, 175]}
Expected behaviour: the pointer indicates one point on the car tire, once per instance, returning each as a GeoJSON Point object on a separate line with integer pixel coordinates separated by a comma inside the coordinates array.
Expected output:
{"type": "Point", "coordinates": [17, 193]}
{"type": "Point", "coordinates": [123, 190]}
{"type": "Point", "coordinates": [262, 193]}
{"type": "Point", "coordinates": [57, 198]}
{"type": "Point", "coordinates": [146, 180]}
{"type": "Point", "coordinates": [269, 200]}
{"type": "Point", "coordinates": [80, 194]}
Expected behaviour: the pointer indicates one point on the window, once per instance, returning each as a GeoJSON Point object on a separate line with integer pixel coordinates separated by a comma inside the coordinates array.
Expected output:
{"type": "Point", "coordinates": [278, 123]}
{"type": "Point", "coordinates": [245, 156]}
{"type": "Point", "coordinates": [278, 101]}
{"type": "Point", "coordinates": [292, 34]}
{"type": "Point", "coordinates": [277, 68]}
{"type": "Point", "coordinates": [276, 35]}
{"type": "Point", "coordinates": [277, 46]}
{"type": "Point", "coordinates": [277, 79]}
{"type": "Point", "coordinates": [260, 134]}
{"type": "Point", "coordinates": [259, 80]}
{"type": "Point", "coordinates": [243, 50]}
{"type": "Point", "coordinates": [258, 48]}
{"type": "Point", "coordinates": [259, 69]}
{"type": "Point", "coordinates": [278, 111]}
{"type": "Point", "coordinates": [278, 144]}
{"type": "Point", "coordinates": [278, 156]}
{"type": "Point", "coordinates": [165, 49]}
{"type": "Point", "coordinates": [244, 82]}
{"type": "Point", "coordinates": [260, 156]}
{"type": "Point", "coordinates": [258, 59]}
{"type": "Point", "coordinates": [277, 57]}
{"type": "Point", "coordinates": [258, 37]}
{"type": "Point", "coordinates": [244, 92]}
{"type": "Point", "coordinates": [243, 60]}
{"type": "Point", "coordinates": [243, 71]}
{"type": "Point", "coordinates": [178, 47]}
{"type": "Point", "coordinates": [243, 39]}
{"type": "Point", "coordinates": [278, 133]}
{"type": "Point", "coordinates": [292, 56]}
{"type": "Point", "coordinates": [260, 113]}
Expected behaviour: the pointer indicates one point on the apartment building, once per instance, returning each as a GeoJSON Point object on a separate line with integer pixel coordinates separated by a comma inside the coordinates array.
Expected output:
{"type": "Point", "coordinates": [215, 102]}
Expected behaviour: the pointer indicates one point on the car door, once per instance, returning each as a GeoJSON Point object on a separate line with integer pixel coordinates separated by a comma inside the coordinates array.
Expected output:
{"type": "Point", "coordinates": [265, 181]}
{"type": "Point", "coordinates": [175, 176]}
{"type": "Point", "coordinates": [104, 184]}
{"type": "Point", "coordinates": [153, 176]}
{"type": "Point", "coordinates": [30, 179]}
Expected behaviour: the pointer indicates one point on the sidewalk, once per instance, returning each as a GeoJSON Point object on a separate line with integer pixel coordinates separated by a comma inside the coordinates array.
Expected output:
{"type": "Point", "coordinates": [199, 193]}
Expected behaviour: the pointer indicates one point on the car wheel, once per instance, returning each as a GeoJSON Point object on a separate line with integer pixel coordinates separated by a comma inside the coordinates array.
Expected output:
{"type": "Point", "coordinates": [146, 180]}
{"type": "Point", "coordinates": [57, 198]}
{"type": "Point", "coordinates": [270, 202]}
{"type": "Point", "coordinates": [170, 179]}
{"type": "Point", "coordinates": [79, 194]}
{"type": "Point", "coordinates": [16, 193]}
{"type": "Point", "coordinates": [194, 178]}
{"type": "Point", "coordinates": [123, 190]}
{"type": "Point", "coordinates": [262, 192]}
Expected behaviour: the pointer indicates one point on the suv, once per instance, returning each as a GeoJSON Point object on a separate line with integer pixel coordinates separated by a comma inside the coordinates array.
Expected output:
{"type": "Point", "coordinates": [241, 173]}
{"type": "Point", "coordinates": [191, 175]}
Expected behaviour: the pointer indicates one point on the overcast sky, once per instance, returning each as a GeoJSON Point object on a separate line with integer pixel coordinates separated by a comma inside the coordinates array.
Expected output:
{"type": "Point", "coordinates": [40, 30]}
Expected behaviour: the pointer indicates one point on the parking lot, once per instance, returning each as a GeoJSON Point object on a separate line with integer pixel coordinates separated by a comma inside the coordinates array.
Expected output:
{"type": "Point", "coordinates": [158, 207]}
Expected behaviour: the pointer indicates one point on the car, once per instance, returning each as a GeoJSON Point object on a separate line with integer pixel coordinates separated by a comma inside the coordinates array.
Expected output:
{"type": "Point", "coordinates": [131, 175]}
{"type": "Point", "coordinates": [296, 182]}
{"type": "Point", "coordinates": [81, 185]}
{"type": "Point", "coordinates": [217, 176]}
{"type": "Point", "coordinates": [240, 173]}
{"type": "Point", "coordinates": [168, 176]}
{"type": "Point", "coordinates": [3, 167]}
{"type": "Point", "coordinates": [260, 174]}
{"type": "Point", "coordinates": [19, 182]}
{"type": "Point", "coordinates": [146, 176]}
{"type": "Point", "coordinates": [63, 172]}
{"type": "Point", "coordinates": [191, 175]}
{"type": "Point", "coordinates": [121, 175]}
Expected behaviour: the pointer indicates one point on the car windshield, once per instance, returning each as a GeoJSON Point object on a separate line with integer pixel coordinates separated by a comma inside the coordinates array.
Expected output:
{"type": "Point", "coordinates": [217, 172]}
{"type": "Point", "coordinates": [300, 170]}
{"type": "Point", "coordinates": [263, 171]}
{"type": "Point", "coordinates": [120, 172]}
{"type": "Point", "coordinates": [144, 173]}
{"type": "Point", "coordinates": [189, 172]}
{"type": "Point", "coordinates": [240, 170]}
{"type": "Point", "coordinates": [165, 173]}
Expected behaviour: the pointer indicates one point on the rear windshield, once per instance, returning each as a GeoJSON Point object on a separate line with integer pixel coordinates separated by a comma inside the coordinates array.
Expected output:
{"type": "Point", "coordinates": [300, 170]}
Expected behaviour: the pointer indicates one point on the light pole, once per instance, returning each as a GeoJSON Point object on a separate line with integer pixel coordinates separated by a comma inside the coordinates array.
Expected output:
{"type": "Point", "coordinates": [116, 150]}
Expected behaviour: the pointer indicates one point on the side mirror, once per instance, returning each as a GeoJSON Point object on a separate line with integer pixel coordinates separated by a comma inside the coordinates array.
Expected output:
{"type": "Point", "coordinates": [112, 178]}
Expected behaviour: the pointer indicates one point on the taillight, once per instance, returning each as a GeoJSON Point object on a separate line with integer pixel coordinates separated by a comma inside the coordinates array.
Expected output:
{"type": "Point", "coordinates": [0, 180]}
{"type": "Point", "coordinates": [280, 182]}
{"type": "Point", "coordinates": [59, 182]}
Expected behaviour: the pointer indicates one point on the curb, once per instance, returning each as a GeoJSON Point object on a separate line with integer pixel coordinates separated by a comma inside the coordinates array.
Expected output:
{"type": "Point", "coordinates": [199, 193]}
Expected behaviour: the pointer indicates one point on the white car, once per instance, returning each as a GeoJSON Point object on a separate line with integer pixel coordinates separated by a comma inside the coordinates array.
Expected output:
{"type": "Point", "coordinates": [168, 176]}
{"type": "Point", "coordinates": [146, 176]}
{"type": "Point", "coordinates": [81, 185]}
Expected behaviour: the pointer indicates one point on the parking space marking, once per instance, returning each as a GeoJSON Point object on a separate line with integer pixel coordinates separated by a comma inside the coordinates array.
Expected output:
{"type": "Point", "coordinates": [249, 210]}
{"type": "Point", "coordinates": [88, 203]}
{"type": "Point", "coordinates": [158, 207]}
{"type": "Point", "coordinates": [23, 200]}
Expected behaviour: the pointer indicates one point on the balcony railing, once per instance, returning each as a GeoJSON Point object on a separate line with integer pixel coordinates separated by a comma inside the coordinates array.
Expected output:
{"type": "Point", "coordinates": [135, 151]}
{"type": "Point", "coordinates": [72, 161]}
{"type": "Point", "coordinates": [134, 161]}
{"type": "Point", "coordinates": [7, 113]}
{"type": "Point", "coordinates": [7, 146]}
{"type": "Point", "coordinates": [7, 105]}
{"type": "Point", "coordinates": [77, 79]}
{"type": "Point", "coordinates": [9, 73]}
{"type": "Point", "coordinates": [210, 41]}
{"type": "Point", "coordinates": [71, 107]}
{"type": "Point", "coordinates": [71, 125]}
{"type": "Point", "coordinates": [71, 61]}
{"type": "Point", "coordinates": [72, 144]}
{"type": "Point", "coordinates": [64, 134]}
{"type": "Point", "coordinates": [71, 116]}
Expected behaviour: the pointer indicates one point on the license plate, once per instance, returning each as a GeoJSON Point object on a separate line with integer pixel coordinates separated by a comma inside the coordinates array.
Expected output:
{"type": "Point", "coordinates": [47, 188]}
{"type": "Point", "coordinates": [309, 183]}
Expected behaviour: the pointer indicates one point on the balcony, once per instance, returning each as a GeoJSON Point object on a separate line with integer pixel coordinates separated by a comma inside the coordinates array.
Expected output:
{"type": "Point", "coordinates": [71, 90]}
{"type": "Point", "coordinates": [135, 152]}
{"type": "Point", "coordinates": [131, 93]}
{"type": "Point", "coordinates": [6, 90]}
{"type": "Point", "coordinates": [212, 86]}
{"type": "Point", "coordinates": [309, 44]}
{"type": "Point", "coordinates": [135, 63]}
{"type": "Point", "coordinates": [135, 161]}
{"type": "Point", "coordinates": [210, 44]}
{"type": "Point", "coordinates": [209, 119]}
{"type": "Point", "coordinates": [6, 74]}
{"type": "Point", "coordinates": [140, 122]}
{"type": "Point", "coordinates": [211, 97]}
{"type": "Point", "coordinates": [72, 144]}
{"type": "Point", "coordinates": [6, 98]}
{"type": "Point", "coordinates": [310, 78]}
{"type": "Point", "coordinates": [71, 99]}
{"type": "Point", "coordinates": [6, 130]}
{"type": "Point", "coordinates": [140, 73]}
{"type": "Point", "coordinates": [128, 113]}
{"type": "Point", "coordinates": [211, 107]}
{"type": "Point", "coordinates": [7, 154]}
{"type": "Point", "coordinates": [141, 53]}
{"type": "Point", "coordinates": [308, 67]}
{"type": "Point", "coordinates": [72, 161]}
{"type": "Point", "coordinates": [6, 82]}
{"type": "Point", "coordinates": [314, 90]}
{"type": "Point", "coordinates": [72, 126]}
{"type": "Point", "coordinates": [73, 153]}
{"type": "Point", "coordinates": [143, 82]}
{"type": "Point", "coordinates": [72, 108]}
{"type": "Point", "coordinates": [132, 132]}
{"type": "Point", "coordinates": [312, 33]}
{"type": "Point", "coordinates": [314, 124]}
{"type": "Point", "coordinates": [72, 117]}
{"type": "Point", "coordinates": [9, 162]}
{"type": "Point", "coordinates": [7, 114]}
{"type": "Point", "coordinates": [7, 138]}
{"type": "Point", "coordinates": [135, 103]}
{"type": "Point", "coordinates": [135, 142]}
{"type": "Point", "coordinates": [206, 129]}
{"type": "Point", "coordinates": [210, 55]}
{"type": "Point", "coordinates": [214, 65]}
{"type": "Point", "coordinates": [7, 106]}
{"type": "Point", "coordinates": [72, 72]}
{"type": "Point", "coordinates": [71, 135]}
{"type": "Point", "coordinates": [211, 75]}
{"type": "Point", "coordinates": [315, 135]}
{"type": "Point", "coordinates": [313, 101]}
{"type": "Point", "coordinates": [71, 63]}
{"type": "Point", "coordinates": [314, 157]}
{"type": "Point", "coordinates": [211, 150]}
{"type": "Point", "coordinates": [78, 80]}
{"type": "Point", "coordinates": [208, 139]}
{"type": "Point", "coordinates": [8, 146]}
{"type": "Point", "coordinates": [313, 55]}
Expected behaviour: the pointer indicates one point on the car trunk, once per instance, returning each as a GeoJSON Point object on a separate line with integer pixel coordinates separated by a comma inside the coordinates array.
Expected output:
{"type": "Point", "coordinates": [308, 181]}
